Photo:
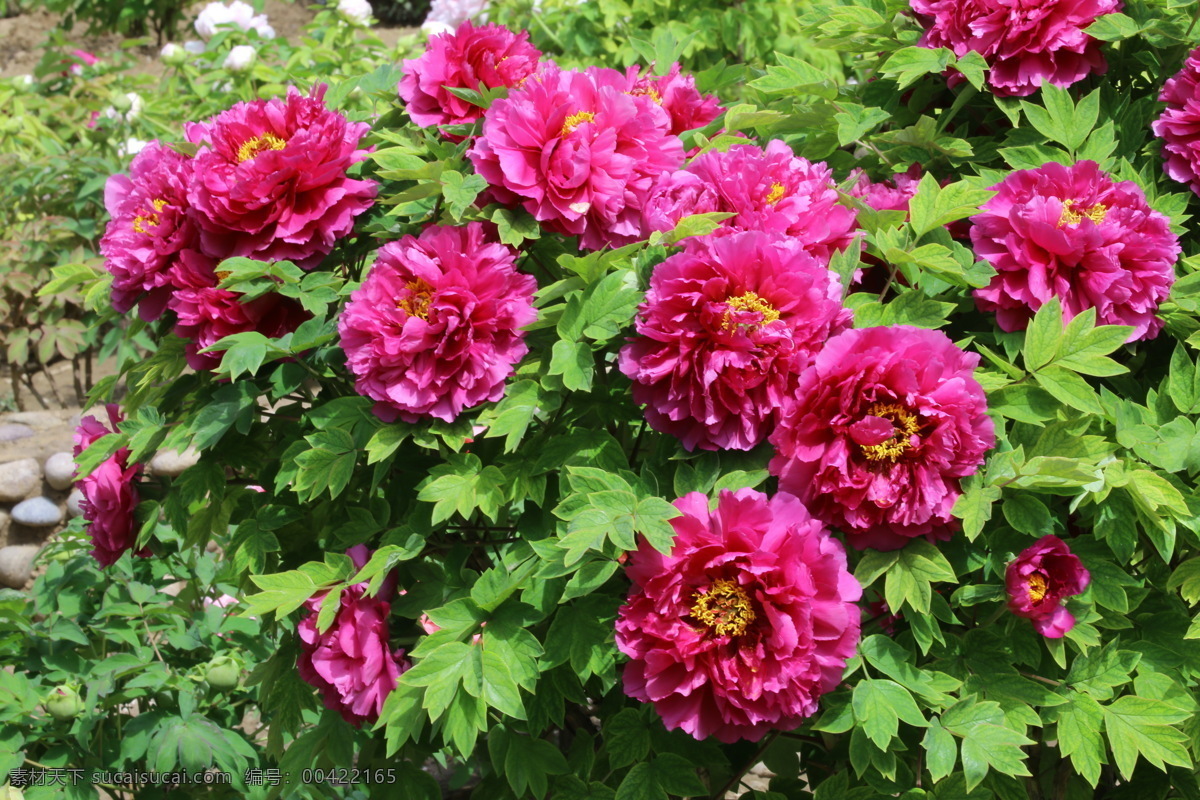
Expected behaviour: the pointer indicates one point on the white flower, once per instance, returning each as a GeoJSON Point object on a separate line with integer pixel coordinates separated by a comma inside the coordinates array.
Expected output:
{"type": "Point", "coordinates": [170, 51]}
{"type": "Point", "coordinates": [237, 14]}
{"type": "Point", "coordinates": [25, 81]}
{"type": "Point", "coordinates": [240, 58]}
{"type": "Point", "coordinates": [131, 147]}
{"type": "Point", "coordinates": [194, 46]}
{"type": "Point", "coordinates": [125, 108]}
{"type": "Point", "coordinates": [449, 14]}
{"type": "Point", "coordinates": [356, 12]}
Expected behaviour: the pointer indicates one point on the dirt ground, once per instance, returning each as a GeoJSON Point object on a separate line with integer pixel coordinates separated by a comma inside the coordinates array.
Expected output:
{"type": "Point", "coordinates": [22, 37]}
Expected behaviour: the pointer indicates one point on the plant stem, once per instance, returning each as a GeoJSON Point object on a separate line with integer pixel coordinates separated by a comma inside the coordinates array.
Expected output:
{"type": "Point", "coordinates": [767, 742]}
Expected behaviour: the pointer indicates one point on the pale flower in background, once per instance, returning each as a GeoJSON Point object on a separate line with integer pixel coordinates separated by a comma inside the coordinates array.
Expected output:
{"type": "Point", "coordinates": [240, 58]}
{"type": "Point", "coordinates": [194, 46]}
{"type": "Point", "coordinates": [447, 15]}
{"type": "Point", "coordinates": [125, 107]}
{"type": "Point", "coordinates": [236, 14]}
{"type": "Point", "coordinates": [356, 12]}
{"type": "Point", "coordinates": [131, 146]}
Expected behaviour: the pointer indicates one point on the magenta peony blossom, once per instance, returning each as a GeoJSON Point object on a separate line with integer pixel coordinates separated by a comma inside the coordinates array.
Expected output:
{"type": "Point", "coordinates": [1025, 44]}
{"type": "Point", "coordinates": [351, 662]}
{"type": "Point", "coordinates": [724, 333]}
{"type": "Point", "coordinates": [270, 179]}
{"type": "Point", "coordinates": [1039, 580]}
{"type": "Point", "coordinates": [1179, 124]}
{"type": "Point", "coordinates": [889, 194]}
{"type": "Point", "coordinates": [1075, 234]}
{"type": "Point", "coordinates": [489, 54]}
{"type": "Point", "coordinates": [149, 228]}
{"type": "Point", "coordinates": [109, 496]}
{"type": "Point", "coordinates": [768, 190]}
{"type": "Point", "coordinates": [884, 424]}
{"type": "Point", "coordinates": [746, 623]}
{"type": "Point", "coordinates": [678, 96]}
{"type": "Point", "coordinates": [435, 327]}
{"type": "Point", "coordinates": [579, 151]}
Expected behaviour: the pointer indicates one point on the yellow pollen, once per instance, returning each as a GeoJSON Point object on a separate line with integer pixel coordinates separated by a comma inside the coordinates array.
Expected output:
{"type": "Point", "coordinates": [142, 221]}
{"type": "Point", "coordinates": [748, 302]}
{"type": "Point", "coordinates": [906, 427]}
{"type": "Point", "coordinates": [252, 147]}
{"type": "Point", "coordinates": [1072, 216]}
{"type": "Point", "coordinates": [725, 608]}
{"type": "Point", "coordinates": [647, 91]}
{"type": "Point", "coordinates": [575, 120]}
{"type": "Point", "coordinates": [223, 274]}
{"type": "Point", "coordinates": [416, 304]}
{"type": "Point", "coordinates": [1037, 587]}
{"type": "Point", "coordinates": [776, 194]}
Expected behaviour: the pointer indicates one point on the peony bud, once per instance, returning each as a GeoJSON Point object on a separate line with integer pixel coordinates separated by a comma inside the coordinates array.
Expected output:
{"type": "Point", "coordinates": [240, 58]}
{"type": "Point", "coordinates": [63, 703]}
{"type": "Point", "coordinates": [355, 12]}
{"type": "Point", "coordinates": [223, 673]}
{"type": "Point", "coordinates": [173, 55]}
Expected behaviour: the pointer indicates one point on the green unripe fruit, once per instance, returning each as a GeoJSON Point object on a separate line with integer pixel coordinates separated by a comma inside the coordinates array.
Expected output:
{"type": "Point", "coordinates": [223, 673]}
{"type": "Point", "coordinates": [63, 703]}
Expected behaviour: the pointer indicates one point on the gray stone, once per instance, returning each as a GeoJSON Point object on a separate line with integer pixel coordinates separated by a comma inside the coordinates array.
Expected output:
{"type": "Point", "coordinates": [60, 471]}
{"type": "Point", "coordinates": [171, 464]}
{"type": "Point", "coordinates": [38, 419]}
{"type": "Point", "coordinates": [19, 478]}
{"type": "Point", "coordinates": [37, 512]}
{"type": "Point", "coordinates": [73, 507]}
{"type": "Point", "coordinates": [12, 431]}
{"type": "Point", "coordinates": [16, 564]}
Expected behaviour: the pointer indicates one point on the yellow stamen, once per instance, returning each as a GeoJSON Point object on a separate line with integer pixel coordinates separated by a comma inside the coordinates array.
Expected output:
{"type": "Point", "coordinates": [647, 91]}
{"type": "Point", "coordinates": [1037, 587]}
{"type": "Point", "coordinates": [906, 425]}
{"type": "Point", "coordinates": [142, 221]}
{"type": "Point", "coordinates": [223, 274]}
{"type": "Point", "coordinates": [775, 195]}
{"type": "Point", "coordinates": [416, 304]}
{"type": "Point", "coordinates": [1073, 216]}
{"type": "Point", "coordinates": [575, 120]}
{"type": "Point", "coordinates": [725, 608]}
{"type": "Point", "coordinates": [252, 147]}
{"type": "Point", "coordinates": [748, 302]}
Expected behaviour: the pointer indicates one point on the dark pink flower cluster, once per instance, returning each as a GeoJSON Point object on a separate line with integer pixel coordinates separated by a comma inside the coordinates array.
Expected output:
{"type": "Point", "coordinates": [1076, 234]}
{"type": "Point", "coordinates": [725, 331]}
{"type": "Point", "coordinates": [1179, 124]}
{"type": "Point", "coordinates": [769, 190]}
{"type": "Point", "coordinates": [1039, 579]}
{"type": "Point", "coordinates": [109, 494]}
{"type": "Point", "coordinates": [269, 181]}
{"type": "Point", "coordinates": [436, 326]}
{"type": "Point", "coordinates": [679, 97]}
{"type": "Point", "coordinates": [1024, 44]}
{"type": "Point", "coordinates": [745, 624]}
{"type": "Point", "coordinates": [352, 662]}
{"type": "Point", "coordinates": [885, 423]}
{"type": "Point", "coordinates": [490, 55]}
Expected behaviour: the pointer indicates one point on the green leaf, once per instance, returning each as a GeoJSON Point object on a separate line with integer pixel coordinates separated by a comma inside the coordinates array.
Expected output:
{"type": "Point", "coordinates": [639, 784]}
{"type": "Point", "coordinates": [460, 191]}
{"type": "Point", "coordinates": [987, 743]}
{"type": "Point", "coordinates": [794, 76]}
{"type": "Point", "coordinates": [573, 360]}
{"type": "Point", "coordinates": [463, 484]}
{"type": "Point", "coordinates": [1069, 389]}
{"type": "Point", "coordinates": [1113, 27]}
{"type": "Point", "coordinates": [974, 507]}
{"type": "Point", "coordinates": [1138, 726]}
{"type": "Point", "coordinates": [1043, 335]}
{"type": "Point", "coordinates": [1027, 514]}
{"type": "Point", "coordinates": [910, 63]}
{"type": "Point", "coordinates": [1183, 382]}
{"type": "Point", "coordinates": [941, 751]}
{"type": "Point", "coordinates": [1079, 726]}
{"type": "Point", "coordinates": [935, 205]}
{"type": "Point", "coordinates": [627, 738]}
{"type": "Point", "coordinates": [879, 705]}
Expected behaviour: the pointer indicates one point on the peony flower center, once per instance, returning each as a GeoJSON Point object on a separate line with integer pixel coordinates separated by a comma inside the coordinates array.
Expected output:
{"type": "Point", "coordinates": [905, 425]}
{"type": "Point", "coordinates": [1073, 215]}
{"type": "Point", "coordinates": [142, 221]}
{"type": "Point", "coordinates": [775, 195]}
{"type": "Point", "coordinates": [1038, 586]}
{"type": "Point", "coordinates": [416, 303]}
{"type": "Point", "coordinates": [575, 120]}
{"type": "Point", "coordinates": [252, 147]}
{"type": "Point", "coordinates": [647, 91]}
{"type": "Point", "coordinates": [725, 608]}
{"type": "Point", "coordinates": [748, 302]}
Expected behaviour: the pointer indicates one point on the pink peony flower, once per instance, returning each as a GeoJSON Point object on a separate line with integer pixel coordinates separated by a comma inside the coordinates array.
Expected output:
{"type": "Point", "coordinates": [768, 190]}
{"type": "Point", "coordinates": [435, 327]}
{"type": "Point", "coordinates": [351, 662]}
{"type": "Point", "coordinates": [1075, 234]}
{"type": "Point", "coordinates": [579, 151]}
{"type": "Point", "coordinates": [489, 54]}
{"type": "Point", "coordinates": [149, 228]}
{"type": "Point", "coordinates": [1039, 579]}
{"type": "Point", "coordinates": [1179, 124]}
{"type": "Point", "coordinates": [78, 61]}
{"type": "Point", "coordinates": [678, 96]}
{"type": "Point", "coordinates": [270, 181]}
{"type": "Point", "coordinates": [724, 333]}
{"type": "Point", "coordinates": [746, 623]}
{"type": "Point", "coordinates": [1025, 44]}
{"type": "Point", "coordinates": [207, 314]}
{"type": "Point", "coordinates": [888, 194]}
{"type": "Point", "coordinates": [884, 424]}
{"type": "Point", "coordinates": [109, 496]}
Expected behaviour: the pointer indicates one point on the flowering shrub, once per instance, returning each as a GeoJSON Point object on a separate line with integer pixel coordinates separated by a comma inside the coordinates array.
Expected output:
{"type": "Point", "coordinates": [624, 426]}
